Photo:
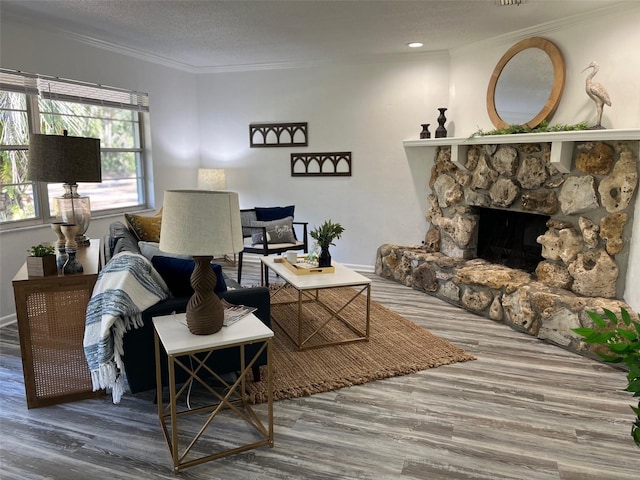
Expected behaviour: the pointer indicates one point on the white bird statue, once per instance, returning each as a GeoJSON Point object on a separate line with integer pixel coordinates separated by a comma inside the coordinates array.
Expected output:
{"type": "Point", "coordinates": [597, 93]}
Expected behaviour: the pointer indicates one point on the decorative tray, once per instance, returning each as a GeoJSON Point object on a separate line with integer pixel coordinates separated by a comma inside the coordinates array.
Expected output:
{"type": "Point", "coordinates": [304, 268]}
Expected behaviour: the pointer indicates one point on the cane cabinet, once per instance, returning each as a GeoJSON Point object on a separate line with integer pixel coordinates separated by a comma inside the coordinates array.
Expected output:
{"type": "Point", "coordinates": [51, 315]}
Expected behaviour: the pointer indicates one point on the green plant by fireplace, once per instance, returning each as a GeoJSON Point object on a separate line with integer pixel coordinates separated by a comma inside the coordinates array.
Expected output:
{"type": "Point", "coordinates": [544, 127]}
{"type": "Point", "coordinates": [621, 338]}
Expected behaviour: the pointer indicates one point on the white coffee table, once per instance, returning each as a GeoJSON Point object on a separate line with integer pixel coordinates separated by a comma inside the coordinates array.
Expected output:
{"type": "Point", "coordinates": [190, 352]}
{"type": "Point", "coordinates": [309, 288]}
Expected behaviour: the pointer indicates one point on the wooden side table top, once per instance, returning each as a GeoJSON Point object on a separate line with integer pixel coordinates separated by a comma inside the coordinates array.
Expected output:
{"type": "Point", "coordinates": [88, 256]}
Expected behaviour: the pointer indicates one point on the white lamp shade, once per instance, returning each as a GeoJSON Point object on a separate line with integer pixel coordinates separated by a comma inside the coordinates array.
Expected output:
{"type": "Point", "coordinates": [200, 223]}
{"type": "Point", "coordinates": [212, 179]}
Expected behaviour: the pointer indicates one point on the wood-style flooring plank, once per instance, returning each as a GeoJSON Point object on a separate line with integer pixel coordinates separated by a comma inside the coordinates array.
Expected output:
{"type": "Point", "coordinates": [523, 410]}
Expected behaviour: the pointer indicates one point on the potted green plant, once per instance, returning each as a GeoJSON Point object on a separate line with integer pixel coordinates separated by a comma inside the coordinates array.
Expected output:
{"type": "Point", "coordinates": [41, 261]}
{"type": "Point", "coordinates": [324, 235]}
{"type": "Point", "coordinates": [621, 341]}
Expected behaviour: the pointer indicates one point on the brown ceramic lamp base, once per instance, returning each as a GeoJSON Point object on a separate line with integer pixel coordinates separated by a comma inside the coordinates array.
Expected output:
{"type": "Point", "coordinates": [205, 313]}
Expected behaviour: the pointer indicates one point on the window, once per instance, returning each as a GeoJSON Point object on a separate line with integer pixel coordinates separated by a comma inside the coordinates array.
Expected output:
{"type": "Point", "coordinates": [39, 104]}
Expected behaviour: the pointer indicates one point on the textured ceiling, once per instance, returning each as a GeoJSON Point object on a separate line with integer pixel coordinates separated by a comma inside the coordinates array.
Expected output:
{"type": "Point", "coordinates": [209, 34]}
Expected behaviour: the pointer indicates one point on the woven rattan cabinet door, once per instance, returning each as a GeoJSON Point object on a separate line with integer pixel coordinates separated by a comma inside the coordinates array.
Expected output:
{"type": "Point", "coordinates": [51, 315]}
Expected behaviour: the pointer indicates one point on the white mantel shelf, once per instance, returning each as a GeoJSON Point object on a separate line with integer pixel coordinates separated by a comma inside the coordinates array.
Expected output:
{"type": "Point", "coordinates": [561, 143]}
{"type": "Point", "coordinates": [572, 136]}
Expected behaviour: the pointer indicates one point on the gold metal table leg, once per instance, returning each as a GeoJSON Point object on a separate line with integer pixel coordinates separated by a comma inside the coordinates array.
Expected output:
{"type": "Point", "coordinates": [240, 407]}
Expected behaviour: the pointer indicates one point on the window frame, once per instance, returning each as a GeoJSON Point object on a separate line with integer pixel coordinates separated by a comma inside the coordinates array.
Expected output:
{"type": "Point", "coordinates": [112, 98]}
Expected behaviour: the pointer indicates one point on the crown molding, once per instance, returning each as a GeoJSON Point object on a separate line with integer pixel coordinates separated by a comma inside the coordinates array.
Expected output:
{"type": "Point", "coordinates": [156, 59]}
{"type": "Point", "coordinates": [188, 68]}
{"type": "Point", "coordinates": [94, 42]}
{"type": "Point", "coordinates": [618, 8]}
{"type": "Point", "coordinates": [363, 59]}
{"type": "Point", "coordinates": [130, 52]}
{"type": "Point", "coordinates": [356, 60]}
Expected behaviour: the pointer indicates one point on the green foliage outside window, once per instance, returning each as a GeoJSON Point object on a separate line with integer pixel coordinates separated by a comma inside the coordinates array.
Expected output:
{"type": "Point", "coordinates": [119, 133]}
{"type": "Point", "coordinates": [16, 196]}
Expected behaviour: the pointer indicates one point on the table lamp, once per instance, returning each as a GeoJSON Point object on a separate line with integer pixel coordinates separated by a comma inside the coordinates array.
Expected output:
{"type": "Point", "coordinates": [212, 179]}
{"type": "Point", "coordinates": [201, 223]}
{"type": "Point", "coordinates": [61, 158]}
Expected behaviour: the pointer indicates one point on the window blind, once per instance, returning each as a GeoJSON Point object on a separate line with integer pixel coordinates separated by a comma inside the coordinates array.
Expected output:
{"type": "Point", "coordinates": [55, 88]}
{"type": "Point", "coordinates": [18, 82]}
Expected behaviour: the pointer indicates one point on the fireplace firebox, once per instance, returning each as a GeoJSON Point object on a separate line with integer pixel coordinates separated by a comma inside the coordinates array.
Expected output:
{"type": "Point", "coordinates": [509, 237]}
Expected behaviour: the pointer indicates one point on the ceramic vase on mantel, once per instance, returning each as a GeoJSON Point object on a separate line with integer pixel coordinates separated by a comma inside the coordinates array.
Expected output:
{"type": "Point", "coordinates": [324, 259]}
{"type": "Point", "coordinates": [441, 131]}
{"type": "Point", "coordinates": [425, 133]}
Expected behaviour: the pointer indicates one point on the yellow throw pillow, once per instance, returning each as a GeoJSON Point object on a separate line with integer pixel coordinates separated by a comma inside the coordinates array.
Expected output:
{"type": "Point", "coordinates": [146, 228]}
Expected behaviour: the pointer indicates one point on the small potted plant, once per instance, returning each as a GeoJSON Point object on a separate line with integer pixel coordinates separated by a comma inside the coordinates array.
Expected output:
{"type": "Point", "coordinates": [324, 235]}
{"type": "Point", "coordinates": [41, 261]}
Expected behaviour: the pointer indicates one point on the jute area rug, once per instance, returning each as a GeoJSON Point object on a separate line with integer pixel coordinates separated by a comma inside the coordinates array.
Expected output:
{"type": "Point", "coordinates": [396, 347]}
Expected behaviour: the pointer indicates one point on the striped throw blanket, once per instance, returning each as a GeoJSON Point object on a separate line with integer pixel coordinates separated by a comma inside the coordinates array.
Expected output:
{"type": "Point", "coordinates": [127, 285]}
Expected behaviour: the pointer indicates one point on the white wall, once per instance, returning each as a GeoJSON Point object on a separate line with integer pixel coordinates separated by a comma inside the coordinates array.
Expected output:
{"type": "Point", "coordinates": [610, 39]}
{"type": "Point", "coordinates": [366, 109]}
{"type": "Point", "coordinates": [174, 118]}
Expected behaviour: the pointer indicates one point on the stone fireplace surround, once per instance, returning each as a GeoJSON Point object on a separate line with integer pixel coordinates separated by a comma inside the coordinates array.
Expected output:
{"type": "Point", "coordinates": [585, 182]}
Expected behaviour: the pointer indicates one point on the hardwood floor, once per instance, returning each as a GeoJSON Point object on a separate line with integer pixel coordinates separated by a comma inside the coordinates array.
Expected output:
{"type": "Point", "coordinates": [523, 410]}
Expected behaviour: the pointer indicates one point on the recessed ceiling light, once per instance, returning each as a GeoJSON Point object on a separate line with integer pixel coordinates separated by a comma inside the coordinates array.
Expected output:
{"type": "Point", "coordinates": [415, 44]}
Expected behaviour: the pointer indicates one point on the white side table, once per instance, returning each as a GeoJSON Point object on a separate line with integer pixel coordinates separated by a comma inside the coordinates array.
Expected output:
{"type": "Point", "coordinates": [171, 332]}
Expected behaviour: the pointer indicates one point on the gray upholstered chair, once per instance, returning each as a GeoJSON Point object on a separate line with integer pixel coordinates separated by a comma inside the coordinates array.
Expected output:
{"type": "Point", "coordinates": [269, 231]}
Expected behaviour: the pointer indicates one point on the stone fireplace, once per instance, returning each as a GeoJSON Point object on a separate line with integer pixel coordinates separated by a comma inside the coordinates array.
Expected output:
{"type": "Point", "coordinates": [530, 233]}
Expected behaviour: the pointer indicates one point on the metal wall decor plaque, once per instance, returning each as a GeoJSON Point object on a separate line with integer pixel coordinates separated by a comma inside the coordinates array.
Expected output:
{"type": "Point", "coordinates": [278, 135]}
{"type": "Point", "coordinates": [328, 164]}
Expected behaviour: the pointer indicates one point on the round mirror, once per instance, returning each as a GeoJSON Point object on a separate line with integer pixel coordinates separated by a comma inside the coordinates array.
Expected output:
{"type": "Point", "coordinates": [527, 83]}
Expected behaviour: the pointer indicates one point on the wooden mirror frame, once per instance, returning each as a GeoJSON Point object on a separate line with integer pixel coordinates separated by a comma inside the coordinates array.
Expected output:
{"type": "Point", "coordinates": [559, 77]}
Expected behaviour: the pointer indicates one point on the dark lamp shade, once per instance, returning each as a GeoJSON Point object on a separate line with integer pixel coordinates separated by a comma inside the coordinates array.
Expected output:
{"type": "Point", "coordinates": [64, 159]}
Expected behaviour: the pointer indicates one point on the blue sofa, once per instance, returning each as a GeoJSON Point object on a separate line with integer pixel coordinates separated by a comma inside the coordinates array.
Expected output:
{"type": "Point", "coordinates": [139, 352]}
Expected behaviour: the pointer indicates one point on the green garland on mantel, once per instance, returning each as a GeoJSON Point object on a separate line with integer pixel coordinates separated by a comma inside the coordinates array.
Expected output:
{"type": "Point", "coordinates": [543, 127]}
